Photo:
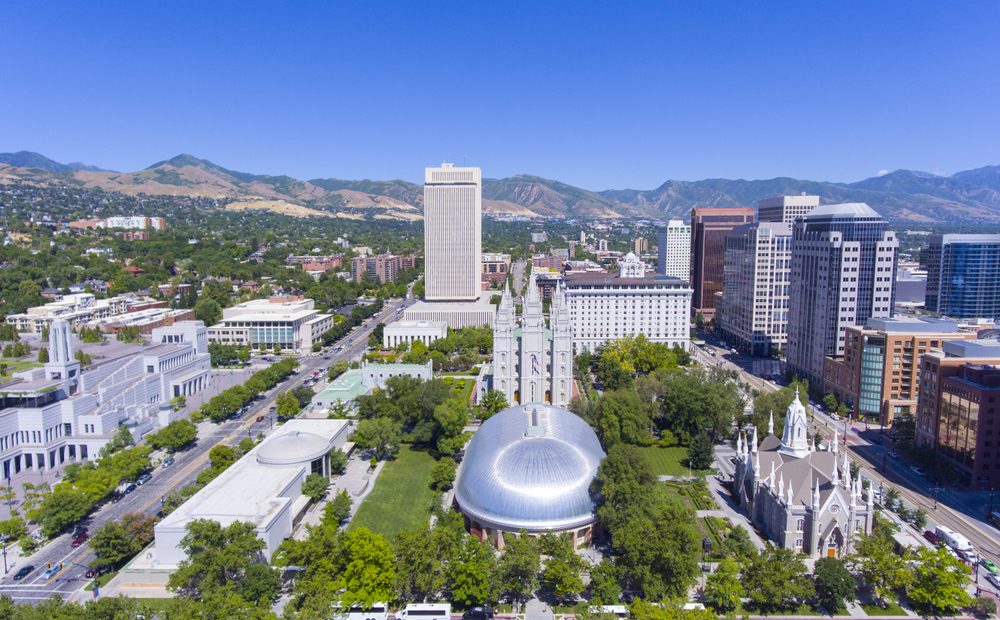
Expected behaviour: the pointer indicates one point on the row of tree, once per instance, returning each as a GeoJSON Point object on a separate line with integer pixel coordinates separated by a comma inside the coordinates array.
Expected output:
{"type": "Point", "coordinates": [228, 402]}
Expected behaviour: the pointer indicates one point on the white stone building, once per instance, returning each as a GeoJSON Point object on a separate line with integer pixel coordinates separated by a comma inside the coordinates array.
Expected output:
{"type": "Point", "coordinates": [802, 498]}
{"type": "Point", "coordinates": [76, 309]}
{"type": "Point", "coordinates": [61, 413]}
{"type": "Point", "coordinates": [452, 233]}
{"type": "Point", "coordinates": [785, 209]}
{"type": "Point", "coordinates": [674, 250]}
{"type": "Point", "coordinates": [264, 488]}
{"type": "Point", "coordinates": [753, 312]}
{"type": "Point", "coordinates": [405, 332]}
{"type": "Point", "coordinates": [532, 364]}
{"type": "Point", "coordinates": [291, 323]}
{"type": "Point", "coordinates": [604, 306]}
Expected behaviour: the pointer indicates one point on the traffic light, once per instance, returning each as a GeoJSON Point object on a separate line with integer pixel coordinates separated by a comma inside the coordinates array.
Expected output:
{"type": "Point", "coordinates": [49, 565]}
{"type": "Point", "coordinates": [60, 565]}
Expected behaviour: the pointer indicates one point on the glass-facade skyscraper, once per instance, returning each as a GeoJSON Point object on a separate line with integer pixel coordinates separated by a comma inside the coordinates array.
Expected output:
{"type": "Point", "coordinates": [963, 276]}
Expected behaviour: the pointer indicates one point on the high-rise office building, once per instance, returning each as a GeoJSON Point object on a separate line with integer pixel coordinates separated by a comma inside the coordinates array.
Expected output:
{"type": "Point", "coordinates": [753, 313]}
{"type": "Point", "coordinates": [963, 276]}
{"type": "Point", "coordinates": [452, 233]}
{"type": "Point", "coordinates": [843, 273]}
{"type": "Point", "coordinates": [785, 209]}
{"type": "Point", "coordinates": [709, 228]}
{"type": "Point", "coordinates": [674, 250]}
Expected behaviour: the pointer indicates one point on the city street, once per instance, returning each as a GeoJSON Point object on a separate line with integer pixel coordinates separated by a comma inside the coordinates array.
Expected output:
{"type": "Point", "coordinates": [946, 507]}
{"type": "Point", "coordinates": [147, 498]}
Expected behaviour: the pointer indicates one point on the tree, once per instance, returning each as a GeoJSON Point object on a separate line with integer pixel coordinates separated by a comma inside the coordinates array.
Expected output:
{"type": "Point", "coordinates": [830, 402]}
{"type": "Point", "coordinates": [919, 518]}
{"type": "Point", "coordinates": [368, 573]}
{"type": "Point", "coordinates": [492, 403]}
{"type": "Point", "coordinates": [470, 574]}
{"type": "Point", "coordinates": [738, 545]}
{"type": "Point", "coordinates": [117, 541]}
{"type": "Point", "coordinates": [443, 474]}
{"type": "Point", "coordinates": [723, 588]}
{"type": "Point", "coordinates": [338, 461]}
{"type": "Point", "coordinates": [380, 435]}
{"type": "Point", "coordinates": [777, 580]}
{"type": "Point", "coordinates": [207, 310]}
{"type": "Point", "coordinates": [881, 570]}
{"type": "Point", "coordinates": [174, 436]}
{"type": "Point", "coordinates": [604, 586]}
{"type": "Point", "coordinates": [314, 486]}
{"type": "Point", "coordinates": [984, 607]}
{"type": "Point", "coordinates": [43, 355]}
{"type": "Point", "coordinates": [939, 582]}
{"type": "Point", "coordinates": [221, 457]}
{"type": "Point", "coordinates": [218, 557]}
{"type": "Point", "coordinates": [517, 569]}
{"type": "Point", "coordinates": [419, 564]}
{"type": "Point", "coordinates": [701, 451]}
{"type": "Point", "coordinates": [834, 584]}
{"type": "Point", "coordinates": [339, 509]}
{"type": "Point", "coordinates": [562, 576]}
{"type": "Point", "coordinates": [83, 358]}
{"type": "Point", "coordinates": [12, 528]}
{"type": "Point", "coordinates": [287, 405]}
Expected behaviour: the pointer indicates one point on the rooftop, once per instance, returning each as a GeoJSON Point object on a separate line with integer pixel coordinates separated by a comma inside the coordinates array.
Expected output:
{"type": "Point", "coordinates": [593, 278]}
{"type": "Point", "coordinates": [347, 386]}
{"type": "Point", "coordinates": [912, 324]}
{"type": "Point", "coordinates": [844, 209]}
{"type": "Point", "coordinates": [972, 348]}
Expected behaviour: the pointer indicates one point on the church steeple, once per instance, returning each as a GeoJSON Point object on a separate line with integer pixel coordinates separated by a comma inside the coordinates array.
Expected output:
{"type": "Point", "coordinates": [795, 437]}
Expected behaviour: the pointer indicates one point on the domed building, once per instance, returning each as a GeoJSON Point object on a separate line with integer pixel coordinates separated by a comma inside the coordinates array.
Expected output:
{"type": "Point", "coordinates": [530, 468]}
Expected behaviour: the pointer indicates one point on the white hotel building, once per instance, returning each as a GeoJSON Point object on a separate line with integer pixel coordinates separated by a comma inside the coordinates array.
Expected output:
{"type": "Point", "coordinates": [604, 306]}
{"type": "Point", "coordinates": [452, 233]}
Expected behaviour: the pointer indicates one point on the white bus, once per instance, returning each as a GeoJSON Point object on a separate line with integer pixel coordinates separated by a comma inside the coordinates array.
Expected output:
{"type": "Point", "coordinates": [378, 611]}
{"type": "Point", "coordinates": [425, 611]}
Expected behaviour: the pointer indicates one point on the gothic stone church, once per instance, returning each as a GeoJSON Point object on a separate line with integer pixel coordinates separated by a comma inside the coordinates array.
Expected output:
{"type": "Point", "coordinates": [532, 363]}
{"type": "Point", "coordinates": [801, 497]}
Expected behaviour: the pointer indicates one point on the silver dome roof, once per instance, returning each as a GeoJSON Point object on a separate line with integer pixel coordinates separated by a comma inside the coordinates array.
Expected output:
{"type": "Point", "coordinates": [530, 467]}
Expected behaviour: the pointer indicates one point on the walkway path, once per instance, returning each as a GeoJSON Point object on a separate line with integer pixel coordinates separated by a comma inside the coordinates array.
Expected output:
{"type": "Point", "coordinates": [538, 610]}
{"type": "Point", "coordinates": [727, 509]}
{"type": "Point", "coordinates": [358, 481]}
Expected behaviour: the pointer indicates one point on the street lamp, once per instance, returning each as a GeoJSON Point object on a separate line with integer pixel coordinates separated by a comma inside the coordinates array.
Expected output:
{"type": "Point", "coordinates": [5, 557]}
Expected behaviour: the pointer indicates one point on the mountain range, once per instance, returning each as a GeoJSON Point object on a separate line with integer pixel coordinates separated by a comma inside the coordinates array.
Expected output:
{"type": "Point", "coordinates": [971, 196]}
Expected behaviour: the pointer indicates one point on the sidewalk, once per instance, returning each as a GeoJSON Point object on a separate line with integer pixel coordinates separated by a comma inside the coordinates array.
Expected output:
{"type": "Point", "coordinates": [728, 510]}
{"type": "Point", "coordinates": [358, 481]}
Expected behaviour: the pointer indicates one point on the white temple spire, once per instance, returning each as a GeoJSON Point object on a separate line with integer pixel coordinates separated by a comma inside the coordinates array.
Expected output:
{"type": "Point", "coordinates": [836, 442]}
{"type": "Point", "coordinates": [770, 423]}
{"type": "Point", "coordinates": [754, 443]}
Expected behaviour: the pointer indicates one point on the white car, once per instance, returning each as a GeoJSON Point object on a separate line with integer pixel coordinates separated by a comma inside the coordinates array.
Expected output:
{"type": "Point", "coordinates": [993, 579]}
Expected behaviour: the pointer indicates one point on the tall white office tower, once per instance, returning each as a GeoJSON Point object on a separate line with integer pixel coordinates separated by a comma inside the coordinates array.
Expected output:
{"type": "Point", "coordinates": [674, 250]}
{"type": "Point", "coordinates": [786, 209]}
{"type": "Point", "coordinates": [453, 204]}
{"type": "Point", "coordinates": [843, 273]}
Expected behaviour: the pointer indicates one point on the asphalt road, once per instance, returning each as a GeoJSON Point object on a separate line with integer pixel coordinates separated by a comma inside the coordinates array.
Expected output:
{"type": "Point", "coordinates": [147, 498]}
{"type": "Point", "coordinates": [865, 447]}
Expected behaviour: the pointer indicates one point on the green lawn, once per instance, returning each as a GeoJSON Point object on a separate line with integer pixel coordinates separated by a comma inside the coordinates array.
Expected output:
{"type": "Point", "coordinates": [461, 387]}
{"type": "Point", "coordinates": [670, 461]}
{"type": "Point", "coordinates": [13, 366]}
{"type": "Point", "coordinates": [402, 497]}
{"type": "Point", "coordinates": [892, 610]}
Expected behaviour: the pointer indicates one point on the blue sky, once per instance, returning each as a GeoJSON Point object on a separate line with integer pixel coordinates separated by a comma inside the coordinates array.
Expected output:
{"type": "Point", "coordinates": [600, 95]}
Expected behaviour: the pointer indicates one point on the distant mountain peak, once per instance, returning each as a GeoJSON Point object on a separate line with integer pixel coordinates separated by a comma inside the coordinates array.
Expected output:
{"type": "Point", "coordinates": [184, 159]}
{"type": "Point", "coordinates": [31, 159]}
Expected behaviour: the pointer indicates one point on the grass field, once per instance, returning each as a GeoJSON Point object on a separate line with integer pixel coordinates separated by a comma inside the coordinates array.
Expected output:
{"type": "Point", "coordinates": [670, 461]}
{"type": "Point", "coordinates": [461, 387]}
{"type": "Point", "coordinates": [13, 366]}
{"type": "Point", "coordinates": [892, 610]}
{"type": "Point", "coordinates": [402, 497]}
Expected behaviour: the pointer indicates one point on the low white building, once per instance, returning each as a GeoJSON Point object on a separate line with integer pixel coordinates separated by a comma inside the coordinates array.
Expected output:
{"type": "Point", "coordinates": [61, 413]}
{"type": "Point", "coordinates": [76, 309]}
{"type": "Point", "coordinates": [375, 375]}
{"type": "Point", "coordinates": [604, 306]}
{"type": "Point", "coordinates": [457, 314]}
{"type": "Point", "coordinates": [405, 332]}
{"type": "Point", "coordinates": [286, 322]}
{"type": "Point", "coordinates": [264, 488]}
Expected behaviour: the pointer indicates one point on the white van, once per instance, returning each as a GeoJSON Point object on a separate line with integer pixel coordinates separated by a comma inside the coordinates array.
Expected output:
{"type": "Point", "coordinates": [618, 611]}
{"type": "Point", "coordinates": [425, 611]}
{"type": "Point", "coordinates": [378, 611]}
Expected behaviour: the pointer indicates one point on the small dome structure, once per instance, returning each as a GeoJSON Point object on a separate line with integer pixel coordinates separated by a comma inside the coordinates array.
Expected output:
{"type": "Point", "coordinates": [530, 468]}
{"type": "Point", "coordinates": [293, 448]}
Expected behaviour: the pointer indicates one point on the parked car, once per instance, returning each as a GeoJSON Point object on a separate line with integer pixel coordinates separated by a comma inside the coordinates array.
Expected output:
{"type": "Point", "coordinates": [24, 572]}
{"type": "Point", "coordinates": [79, 539]}
{"type": "Point", "coordinates": [920, 471]}
{"type": "Point", "coordinates": [167, 462]}
{"type": "Point", "coordinates": [129, 488]}
{"type": "Point", "coordinates": [989, 565]}
{"type": "Point", "coordinates": [478, 613]}
{"type": "Point", "coordinates": [835, 417]}
{"type": "Point", "coordinates": [143, 479]}
{"type": "Point", "coordinates": [932, 538]}
{"type": "Point", "coordinates": [993, 579]}
{"type": "Point", "coordinates": [91, 573]}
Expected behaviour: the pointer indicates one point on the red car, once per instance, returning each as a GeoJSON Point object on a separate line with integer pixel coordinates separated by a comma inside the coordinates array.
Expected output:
{"type": "Point", "coordinates": [79, 540]}
{"type": "Point", "coordinates": [932, 538]}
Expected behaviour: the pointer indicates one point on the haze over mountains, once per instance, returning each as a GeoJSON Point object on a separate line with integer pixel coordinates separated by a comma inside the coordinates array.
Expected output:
{"type": "Point", "coordinates": [971, 196]}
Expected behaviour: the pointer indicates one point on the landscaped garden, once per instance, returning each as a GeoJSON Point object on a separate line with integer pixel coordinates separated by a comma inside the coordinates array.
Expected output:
{"type": "Point", "coordinates": [402, 497]}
